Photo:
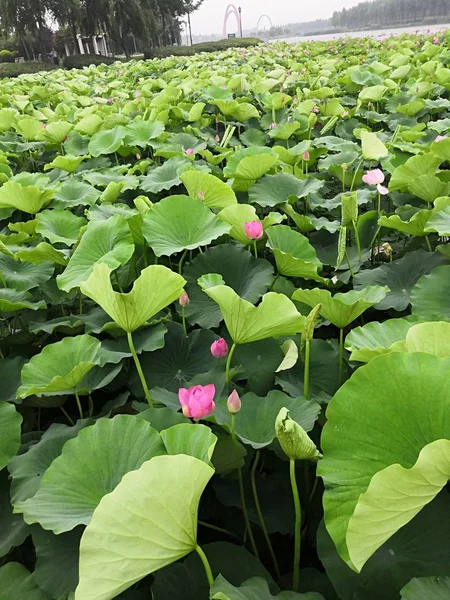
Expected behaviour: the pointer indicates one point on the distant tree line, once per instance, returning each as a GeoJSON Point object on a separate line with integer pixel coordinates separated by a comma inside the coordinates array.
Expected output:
{"type": "Point", "coordinates": [391, 12]}
{"type": "Point", "coordinates": [154, 23]}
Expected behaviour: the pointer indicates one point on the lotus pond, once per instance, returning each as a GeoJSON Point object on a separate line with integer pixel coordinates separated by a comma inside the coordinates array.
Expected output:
{"type": "Point", "coordinates": [225, 326]}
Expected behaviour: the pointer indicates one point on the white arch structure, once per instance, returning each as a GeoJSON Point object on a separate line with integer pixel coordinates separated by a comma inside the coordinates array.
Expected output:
{"type": "Point", "coordinates": [232, 10]}
{"type": "Point", "coordinates": [263, 17]}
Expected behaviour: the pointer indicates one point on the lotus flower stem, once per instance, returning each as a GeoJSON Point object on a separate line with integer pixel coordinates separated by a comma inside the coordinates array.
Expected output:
{"type": "Point", "coordinates": [241, 489]}
{"type": "Point", "coordinates": [298, 524]}
{"type": "Point", "coordinates": [355, 174]}
{"type": "Point", "coordinates": [80, 410]}
{"type": "Point", "coordinates": [219, 529]}
{"type": "Point", "coordinates": [227, 368]}
{"type": "Point", "coordinates": [183, 320]}
{"type": "Point", "coordinates": [180, 264]}
{"type": "Point", "coordinates": [379, 203]}
{"type": "Point", "coordinates": [261, 516]}
{"type": "Point", "coordinates": [430, 249]}
{"type": "Point", "coordinates": [255, 249]}
{"type": "Point", "coordinates": [358, 244]}
{"type": "Point", "coordinates": [206, 565]}
{"type": "Point", "coordinates": [349, 264]}
{"type": "Point", "coordinates": [341, 354]}
{"type": "Point", "coordinates": [139, 369]}
{"type": "Point", "coordinates": [306, 370]}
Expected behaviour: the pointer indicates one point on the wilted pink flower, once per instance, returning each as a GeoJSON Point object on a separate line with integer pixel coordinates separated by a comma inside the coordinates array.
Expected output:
{"type": "Point", "coordinates": [189, 152]}
{"type": "Point", "coordinates": [273, 126]}
{"type": "Point", "coordinates": [201, 195]}
{"type": "Point", "coordinates": [184, 300]}
{"type": "Point", "coordinates": [316, 110]}
{"type": "Point", "coordinates": [234, 403]}
{"type": "Point", "coordinates": [439, 138]}
{"type": "Point", "coordinates": [306, 156]}
{"type": "Point", "coordinates": [219, 348]}
{"type": "Point", "coordinates": [197, 401]}
{"type": "Point", "coordinates": [373, 177]}
{"type": "Point", "coordinates": [254, 230]}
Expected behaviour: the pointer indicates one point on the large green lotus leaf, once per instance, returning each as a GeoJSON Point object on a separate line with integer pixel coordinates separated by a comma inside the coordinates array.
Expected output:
{"type": "Point", "coordinates": [24, 276]}
{"type": "Point", "coordinates": [60, 367]}
{"type": "Point", "coordinates": [56, 132]}
{"type": "Point", "coordinates": [17, 583]}
{"type": "Point", "coordinates": [165, 177]}
{"type": "Point", "coordinates": [414, 167]}
{"type": "Point", "coordinates": [415, 226]}
{"type": "Point", "coordinates": [439, 222]}
{"type": "Point", "coordinates": [156, 288]}
{"type": "Point", "coordinates": [180, 360]}
{"type": "Point", "coordinates": [89, 124]}
{"type": "Point", "coordinates": [367, 420]}
{"type": "Point", "coordinates": [194, 440]}
{"type": "Point", "coordinates": [10, 431]}
{"type": "Point", "coordinates": [432, 588]}
{"type": "Point", "coordinates": [249, 277]}
{"type": "Point", "coordinates": [42, 253]}
{"type": "Point", "coordinates": [89, 467]}
{"type": "Point", "coordinates": [294, 255]}
{"type": "Point", "coordinates": [394, 497]}
{"type": "Point", "coordinates": [10, 369]}
{"type": "Point", "coordinates": [372, 147]}
{"type": "Point", "coordinates": [275, 189]}
{"type": "Point", "coordinates": [126, 541]}
{"type": "Point", "coordinates": [373, 93]}
{"type": "Point", "coordinates": [139, 133]}
{"type": "Point", "coordinates": [342, 309]}
{"type": "Point", "coordinates": [61, 550]}
{"type": "Point", "coordinates": [254, 589]}
{"type": "Point", "coordinates": [74, 193]}
{"type": "Point", "coordinates": [237, 215]}
{"type": "Point", "coordinates": [275, 316]}
{"type": "Point", "coordinates": [106, 141]}
{"type": "Point", "coordinates": [376, 338]}
{"type": "Point", "coordinates": [107, 242]}
{"type": "Point", "coordinates": [400, 276]}
{"type": "Point", "coordinates": [11, 300]}
{"type": "Point", "coordinates": [428, 188]}
{"type": "Point", "coordinates": [431, 338]}
{"type": "Point", "coordinates": [67, 163]}
{"type": "Point", "coordinates": [429, 297]}
{"type": "Point", "coordinates": [59, 226]}
{"type": "Point", "coordinates": [29, 199]}
{"type": "Point", "coordinates": [255, 423]}
{"type": "Point", "coordinates": [420, 549]}
{"type": "Point", "coordinates": [247, 166]}
{"type": "Point", "coordinates": [180, 223]}
{"type": "Point", "coordinates": [213, 192]}
{"type": "Point", "coordinates": [148, 339]}
{"type": "Point", "coordinates": [13, 528]}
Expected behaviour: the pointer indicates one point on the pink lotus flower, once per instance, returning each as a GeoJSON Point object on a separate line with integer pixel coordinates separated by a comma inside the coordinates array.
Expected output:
{"type": "Point", "coordinates": [306, 156]}
{"type": "Point", "coordinates": [234, 403]}
{"type": "Point", "coordinates": [219, 348]}
{"type": "Point", "coordinates": [273, 126]}
{"type": "Point", "coordinates": [198, 401]}
{"type": "Point", "coordinates": [316, 110]}
{"type": "Point", "coordinates": [184, 300]}
{"type": "Point", "coordinates": [439, 138]}
{"type": "Point", "coordinates": [189, 152]}
{"type": "Point", "coordinates": [436, 40]}
{"type": "Point", "coordinates": [110, 100]}
{"type": "Point", "coordinates": [376, 177]}
{"type": "Point", "coordinates": [254, 230]}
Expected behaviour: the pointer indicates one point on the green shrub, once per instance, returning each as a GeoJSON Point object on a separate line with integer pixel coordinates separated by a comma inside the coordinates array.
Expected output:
{"type": "Point", "coordinates": [16, 69]}
{"type": "Point", "coordinates": [78, 61]}
{"type": "Point", "coordinates": [6, 56]}
{"type": "Point", "coordinates": [203, 47]}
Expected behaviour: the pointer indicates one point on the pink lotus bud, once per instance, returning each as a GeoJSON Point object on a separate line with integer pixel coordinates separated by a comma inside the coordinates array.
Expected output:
{"type": "Point", "coordinates": [316, 110]}
{"type": "Point", "coordinates": [198, 401]}
{"type": "Point", "coordinates": [273, 126]}
{"type": "Point", "coordinates": [234, 403]}
{"type": "Point", "coordinates": [137, 94]}
{"type": "Point", "coordinates": [374, 177]}
{"type": "Point", "coordinates": [345, 113]}
{"type": "Point", "coordinates": [306, 156]}
{"type": "Point", "coordinates": [201, 195]}
{"type": "Point", "coordinates": [439, 138]}
{"type": "Point", "coordinates": [219, 348]}
{"type": "Point", "coordinates": [44, 126]}
{"type": "Point", "coordinates": [189, 152]}
{"type": "Point", "coordinates": [217, 139]}
{"type": "Point", "coordinates": [435, 40]}
{"type": "Point", "coordinates": [184, 300]}
{"type": "Point", "coordinates": [382, 190]}
{"type": "Point", "coordinates": [254, 230]}
{"type": "Point", "coordinates": [110, 100]}
{"type": "Point", "coordinates": [223, 87]}
{"type": "Point", "coordinates": [334, 279]}
{"type": "Point", "coordinates": [138, 157]}
{"type": "Point", "coordinates": [417, 43]}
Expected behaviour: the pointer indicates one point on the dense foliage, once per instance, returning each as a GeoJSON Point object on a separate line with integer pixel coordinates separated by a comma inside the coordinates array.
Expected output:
{"type": "Point", "coordinates": [203, 47]}
{"type": "Point", "coordinates": [225, 326]}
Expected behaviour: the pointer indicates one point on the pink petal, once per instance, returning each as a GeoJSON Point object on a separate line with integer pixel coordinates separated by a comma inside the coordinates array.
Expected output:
{"type": "Point", "coordinates": [382, 190]}
{"type": "Point", "coordinates": [183, 396]}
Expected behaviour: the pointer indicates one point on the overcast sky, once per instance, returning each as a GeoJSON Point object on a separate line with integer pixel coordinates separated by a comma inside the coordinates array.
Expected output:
{"type": "Point", "coordinates": [209, 17]}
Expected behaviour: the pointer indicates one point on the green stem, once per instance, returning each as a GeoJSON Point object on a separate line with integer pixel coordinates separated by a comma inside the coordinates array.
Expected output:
{"type": "Point", "coordinates": [272, 285]}
{"type": "Point", "coordinates": [430, 249]}
{"type": "Point", "coordinates": [306, 370]}
{"type": "Point", "coordinates": [241, 489]}
{"type": "Point", "coordinates": [68, 417]}
{"type": "Point", "coordinates": [379, 203]}
{"type": "Point", "coordinates": [80, 303]}
{"type": "Point", "coordinates": [349, 264]}
{"type": "Point", "coordinates": [298, 525]}
{"type": "Point", "coordinates": [261, 516]}
{"type": "Point", "coordinates": [355, 174]}
{"type": "Point", "coordinates": [183, 319]}
{"type": "Point", "coordinates": [219, 529]}
{"type": "Point", "coordinates": [91, 406]}
{"type": "Point", "coordinates": [180, 264]}
{"type": "Point", "coordinates": [227, 368]}
{"type": "Point", "coordinates": [358, 243]}
{"type": "Point", "coordinates": [80, 410]}
{"type": "Point", "coordinates": [206, 565]}
{"type": "Point", "coordinates": [255, 249]}
{"type": "Point", "coordinates": [341, 354]}
{"type": "Point", "coordinates": [139, 369]}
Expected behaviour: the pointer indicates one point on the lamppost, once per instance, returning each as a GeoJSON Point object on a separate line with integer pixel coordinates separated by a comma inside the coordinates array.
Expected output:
{"type": "Point", "coordinates": [240, 20]}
